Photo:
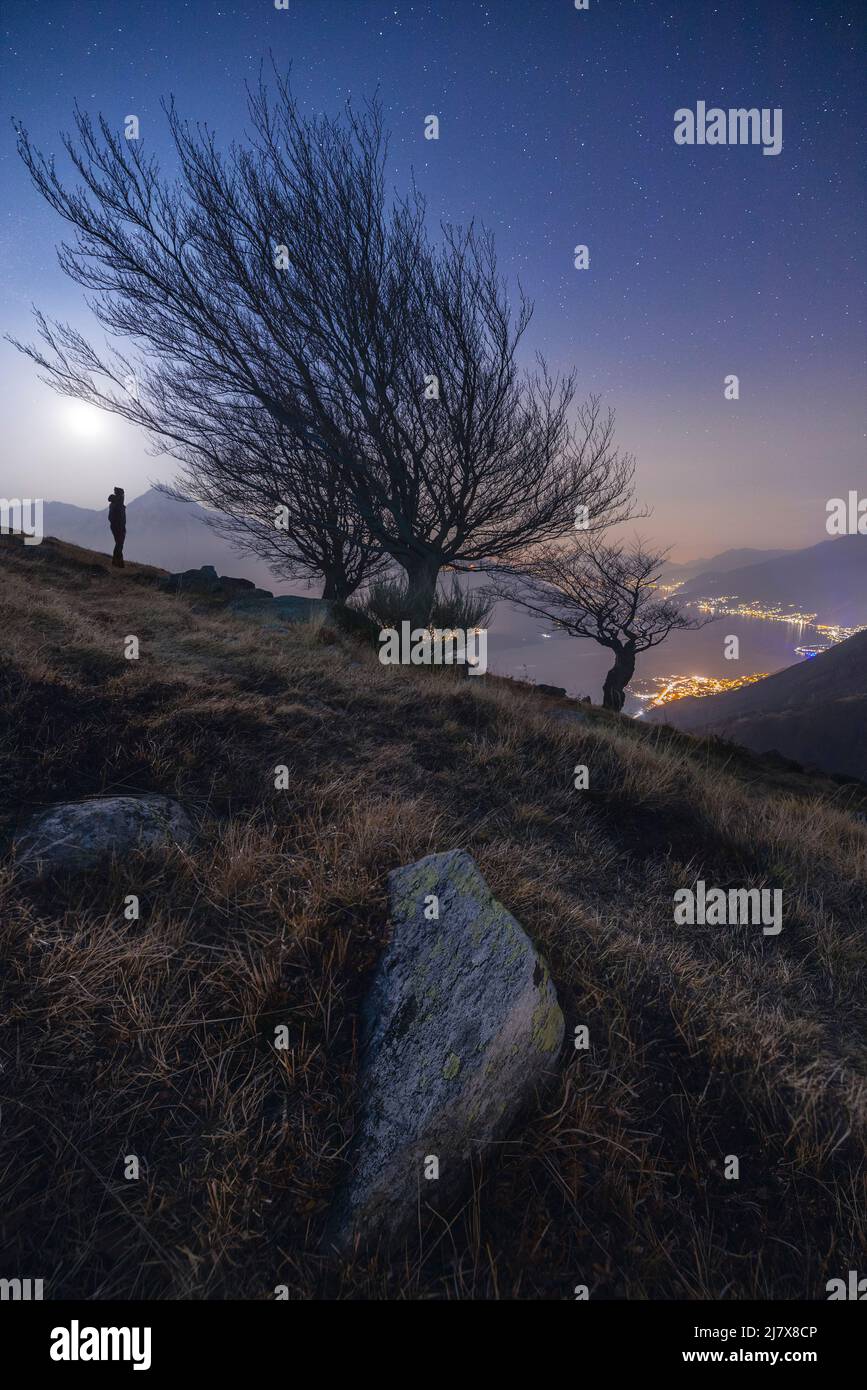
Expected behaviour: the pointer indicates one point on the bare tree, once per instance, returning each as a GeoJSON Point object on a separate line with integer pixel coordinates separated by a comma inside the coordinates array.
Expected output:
{"type": "Point", "coordinates": [609, 593]}
{"type": "Point", "coordinates": [277, 277]}
{"type": "Point", "coordinates": [274, 495]}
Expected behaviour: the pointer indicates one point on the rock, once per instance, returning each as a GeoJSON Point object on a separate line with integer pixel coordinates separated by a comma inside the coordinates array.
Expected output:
{"type": "Point", "coordinates": [558, 690]}
{"type": "Point", "coordinates": [570, 716]}
{"type": "Point", "coordinates": [200, 581]}
{"type": "Point", "coordinates": [76, 835]}
{"type": "Point", "coordinates": [297, 609]}
{"type": "Point", "coordinates": [252, 601]}
{"type": "Point", "coordinates": [242, 598]}
{"type": "Point", "coordinates": [278, 611]}
{"type": "Point", "coordinates": [460, 1025]}
{"type": "Point", "coordinates": [206, 581]}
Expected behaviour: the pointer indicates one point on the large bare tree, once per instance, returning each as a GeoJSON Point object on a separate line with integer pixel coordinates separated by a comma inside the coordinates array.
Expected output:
{"type": "Point", "coordinates": [278, 277]}
{"type": "Point", "coordinates": [607, 592]}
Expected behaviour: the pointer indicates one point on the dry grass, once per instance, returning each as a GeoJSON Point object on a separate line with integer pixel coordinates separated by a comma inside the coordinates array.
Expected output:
{"type": "Point", "coordinates": [154, 1037]}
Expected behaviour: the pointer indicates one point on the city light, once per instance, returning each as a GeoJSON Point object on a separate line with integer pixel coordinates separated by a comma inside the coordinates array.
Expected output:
{"type": "Point", "coordinates": [662, 690]}
{"type": "Point", "coordinates": [727, 606]}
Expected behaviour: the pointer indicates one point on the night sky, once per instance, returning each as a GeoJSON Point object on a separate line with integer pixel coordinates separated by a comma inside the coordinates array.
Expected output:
{"type": "Point", "coordinates": [556, 129]}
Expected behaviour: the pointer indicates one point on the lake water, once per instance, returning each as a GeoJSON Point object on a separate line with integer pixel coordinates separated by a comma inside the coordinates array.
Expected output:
{"type": "Point", "coordinates": [517, 647]}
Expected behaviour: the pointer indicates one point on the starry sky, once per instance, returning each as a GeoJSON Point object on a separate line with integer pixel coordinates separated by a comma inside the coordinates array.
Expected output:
{"type": "Point", "coordinates": [556, 129]}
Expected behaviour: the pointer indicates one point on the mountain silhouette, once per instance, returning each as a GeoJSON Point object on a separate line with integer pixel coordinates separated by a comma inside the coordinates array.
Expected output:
{"type": "Point", "coordinates": [815, 712]}
{"type": "Point", "coordinates": [829, 579]}
{"type": "Point", "coordinates": [721, 564]}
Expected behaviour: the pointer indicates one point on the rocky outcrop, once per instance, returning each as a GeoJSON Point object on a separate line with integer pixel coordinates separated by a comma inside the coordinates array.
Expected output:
{"type": "Point", "coordinates": [241, 597]}
{"type": "Point", "coordinates": [80, 835]}
{"type": "Point", "coordinates": [461, 1025]}
{"type": "Point", "coordinates": [206, 581]}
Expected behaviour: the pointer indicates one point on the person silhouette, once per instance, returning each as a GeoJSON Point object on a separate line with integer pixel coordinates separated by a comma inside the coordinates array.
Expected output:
{"type": "Point", "coordinates": [117, 522]}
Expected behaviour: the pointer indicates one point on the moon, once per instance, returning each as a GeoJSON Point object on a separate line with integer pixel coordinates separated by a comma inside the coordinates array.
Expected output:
{"type": "Point", "coordinates": [83, 420]}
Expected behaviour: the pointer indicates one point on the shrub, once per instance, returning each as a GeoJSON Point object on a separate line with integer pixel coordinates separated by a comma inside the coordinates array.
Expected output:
{"type": "Point", "coordinates": [461, 608]}
{"type": "Point", "coordinates": [386, 604]}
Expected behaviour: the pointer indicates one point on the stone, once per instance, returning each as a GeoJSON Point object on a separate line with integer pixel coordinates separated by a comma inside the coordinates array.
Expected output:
{"type": "Point", "coordinates": [570, 716]}
{"type": "Point", "coordinates": [294, 608]}
{"type": "Point", "coordinates": [242, 598]}
{"type": "Point", "coordinates": [277, 612]}
{"type": "Point", "coordinates": [205, 580]}
{"type": "Point", "coordinates": [461, 1025]}
{"type": "Point", "coordinates": [558, 690]}
{"type": "Point", "coordinates": [79, 835]}
{"type": "Point", "coordinates": [252, 601]}
{"type": "Point", "coordinates": [200, 581]}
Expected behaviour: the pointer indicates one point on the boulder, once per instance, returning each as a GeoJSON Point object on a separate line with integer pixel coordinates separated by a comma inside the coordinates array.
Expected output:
{"type": "Point", "coordinates": [460, 1026]}
{"type": "Point", "coordinates": [251, 601]}
{"type": "Point", "coordinates": [571, 716]}
{"type": "Point", "coordinates": [205, 580]}
{"type": "Point", "coordinates": [80, 835]}
{"type": "Point", "coordinates": [275, 613]}
{"type": "Point", "coordinates": [558, 690]}
{"type": "Point", "coordinates": [199, 581]}
{"type": "Point", "coordinates": [293, 608]}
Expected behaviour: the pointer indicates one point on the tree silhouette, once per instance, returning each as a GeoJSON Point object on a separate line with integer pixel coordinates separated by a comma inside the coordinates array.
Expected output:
{"type": "Point", "coordinates": [277, 279]}
{"type": "Point", "coordinates": [607, 592]}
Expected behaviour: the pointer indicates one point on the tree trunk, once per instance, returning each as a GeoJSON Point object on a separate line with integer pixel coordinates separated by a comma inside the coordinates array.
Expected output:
{"type": "Point", "coordinates": [621, 673]}
{"type": "Point", "coordinates": [336, 588]}
{"type": "Point", "coordinates": [422, 572]}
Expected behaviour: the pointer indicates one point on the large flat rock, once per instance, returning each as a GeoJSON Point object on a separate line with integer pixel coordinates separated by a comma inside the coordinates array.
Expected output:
{"type": "Point", "coordinates": [461, 1024]}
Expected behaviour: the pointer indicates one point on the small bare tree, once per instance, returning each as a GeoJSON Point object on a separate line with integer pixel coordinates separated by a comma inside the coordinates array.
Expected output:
{"type": "Point", "coordinates": [608, 593]}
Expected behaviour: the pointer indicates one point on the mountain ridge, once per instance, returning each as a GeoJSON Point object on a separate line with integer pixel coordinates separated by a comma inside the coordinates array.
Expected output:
{"type": "Point", "coordinates": [829, 578]}
{"type": "Point", "coordinates": [814, 712]}
{"type": "Point", "coordinates": [726, 560]}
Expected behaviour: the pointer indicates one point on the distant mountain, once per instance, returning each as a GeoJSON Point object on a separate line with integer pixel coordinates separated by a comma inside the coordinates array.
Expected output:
{"type": "Point", "coordinates": [721, 564]}
{"type": "Point", "coordinates": [815, 712]}
{"type": "Point", "coordinates": [162, 531]}
{"type": "Point", "coordinates": [829, 579]}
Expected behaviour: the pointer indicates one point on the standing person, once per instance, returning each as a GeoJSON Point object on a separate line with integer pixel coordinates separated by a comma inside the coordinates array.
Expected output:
{"type": "Point", "coordinates": [117, 522]}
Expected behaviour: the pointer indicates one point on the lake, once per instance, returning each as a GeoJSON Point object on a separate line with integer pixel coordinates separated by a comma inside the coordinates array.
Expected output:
{"type": "Point", "coordinates": [517, 647]}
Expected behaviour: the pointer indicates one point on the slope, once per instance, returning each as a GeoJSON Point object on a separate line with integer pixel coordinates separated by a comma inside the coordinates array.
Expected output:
{"type": "Point", "coordinates": [153, 1036]}
{"type": "Point", "coordinates": [815, 712]}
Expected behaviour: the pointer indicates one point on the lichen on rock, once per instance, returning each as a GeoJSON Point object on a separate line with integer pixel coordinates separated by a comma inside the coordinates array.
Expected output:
{"type": "Point", "coordinates": [460, 1026]}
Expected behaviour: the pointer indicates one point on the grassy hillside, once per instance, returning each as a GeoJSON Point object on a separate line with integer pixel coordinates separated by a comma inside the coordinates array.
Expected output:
{"type": "Point", "coordinates": [151, 1037]}
{"type": "Point", "coordinates": [815, 712]}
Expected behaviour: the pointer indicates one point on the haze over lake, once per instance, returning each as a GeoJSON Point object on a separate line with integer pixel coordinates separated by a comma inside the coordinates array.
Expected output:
{"type": "Point", "coordinates": [516, 647]}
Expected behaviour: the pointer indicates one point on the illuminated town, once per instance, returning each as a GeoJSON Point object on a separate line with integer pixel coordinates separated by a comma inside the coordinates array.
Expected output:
{"type": "Point", "coordinates": [662, 690]}
{"type": "Point", "coordinates": [728, 606]}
